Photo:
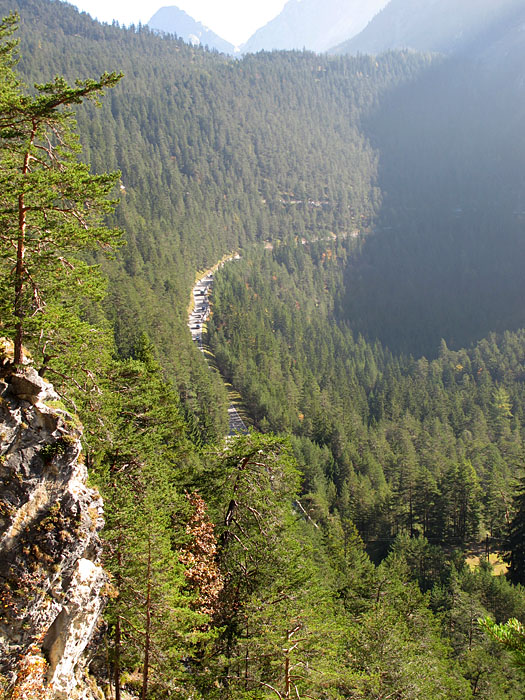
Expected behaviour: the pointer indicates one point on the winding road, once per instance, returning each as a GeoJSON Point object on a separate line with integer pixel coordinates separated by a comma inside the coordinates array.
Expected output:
{"type": "Point", "coordinates": [198, 316]}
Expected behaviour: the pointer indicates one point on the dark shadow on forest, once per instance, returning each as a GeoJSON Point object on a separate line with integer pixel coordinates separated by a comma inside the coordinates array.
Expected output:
{"type": "Point", "coordinates": [445, 259]}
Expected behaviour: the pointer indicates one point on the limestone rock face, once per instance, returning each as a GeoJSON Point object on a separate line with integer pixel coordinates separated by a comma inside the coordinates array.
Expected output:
{"type": "Point", "coordinates": [50, 578]}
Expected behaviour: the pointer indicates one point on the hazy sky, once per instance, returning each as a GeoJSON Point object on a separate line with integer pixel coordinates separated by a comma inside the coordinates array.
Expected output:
{"type": "Point", "coordinates": [233, 20]}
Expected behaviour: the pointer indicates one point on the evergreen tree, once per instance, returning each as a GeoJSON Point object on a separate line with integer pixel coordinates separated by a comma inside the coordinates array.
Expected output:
{"type": "Point", "coordinates": [510, 634]}
{"type": "Point", "coordinates": [51, 207]}
{"type": "Point", "coordinates": [140, 467]}
{"type": "Point", "coordinates": [275, 612]}
{"type": "Point", "coordinates": [516, 538]}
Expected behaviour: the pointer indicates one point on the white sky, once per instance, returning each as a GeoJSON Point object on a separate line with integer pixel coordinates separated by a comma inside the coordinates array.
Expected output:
{"type": "Point", "coordinates": [233, 20]}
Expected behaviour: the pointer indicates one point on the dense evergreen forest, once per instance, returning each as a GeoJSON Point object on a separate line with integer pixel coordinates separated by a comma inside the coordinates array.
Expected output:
{"type": "Point", "coordinates": [210, 161]}
{"type": "Point", "coordinates": [415, 446]}
{"type": "Point", "coordinates": [323, 554]}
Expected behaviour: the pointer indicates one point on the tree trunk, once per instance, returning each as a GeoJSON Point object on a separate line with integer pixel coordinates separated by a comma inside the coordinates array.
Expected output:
{"type": "Point", "coordinates": [246, 662]}
{"type": "Point", "coordinates": [147, 635]}
{"type": "Point", "coordinates": [118, 639]}
{"type": "Point", "coordinates": [20, 262]}
{"type": "Point", "coordinates": [19, 281]}
{"type": "Point", "coordinates": [287, 684]}
{"type": "Point", "coordinates": [287, 676]}
{"type": "Point", "coordinates": [117, 659]}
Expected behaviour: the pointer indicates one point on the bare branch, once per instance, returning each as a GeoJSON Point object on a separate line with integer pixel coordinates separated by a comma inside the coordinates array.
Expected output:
{"type": "Point", "coordinates": [255, 680]}
{"type": "Point", "coordinates": [66, 378]}
{"type": "Point", "coordinates": [305, 513]}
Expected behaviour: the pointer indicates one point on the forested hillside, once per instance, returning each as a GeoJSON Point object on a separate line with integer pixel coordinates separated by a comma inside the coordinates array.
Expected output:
{"type": "Point", "coordinates": [323, 554]}
{"type": "Point", "coordinates": [445, 258]}
{"type": "Point", "coordinates": [214, 154]}
{"type": "Point", "coordinates": [393, 444]}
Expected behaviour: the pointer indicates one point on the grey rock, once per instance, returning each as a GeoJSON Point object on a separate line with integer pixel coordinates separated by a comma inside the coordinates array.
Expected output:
{"type": "Point", "coordinates": [30, 386]}
{"type": "Point", "coordinates": [50, 576]}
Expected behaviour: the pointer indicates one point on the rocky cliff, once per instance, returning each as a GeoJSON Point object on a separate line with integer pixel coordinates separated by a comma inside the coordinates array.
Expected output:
{"type": "Point", "coordinates": [51, 583]}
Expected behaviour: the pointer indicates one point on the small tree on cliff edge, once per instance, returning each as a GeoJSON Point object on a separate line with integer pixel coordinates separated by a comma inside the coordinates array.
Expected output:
{"type": "Point", "coordinates": [51, 206]}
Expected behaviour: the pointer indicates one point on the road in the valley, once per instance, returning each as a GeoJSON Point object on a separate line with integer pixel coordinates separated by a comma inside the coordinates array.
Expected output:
{"type": "Point", "coordinates": [197, 319]}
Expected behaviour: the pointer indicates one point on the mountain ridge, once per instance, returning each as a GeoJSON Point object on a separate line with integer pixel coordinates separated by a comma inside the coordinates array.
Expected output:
{"type": "Point", "coordinates": [313, 24]}
{"type": "Point", "coordinates": [173, 20]}
{"type": "Point", "coordinates": [442, 26]}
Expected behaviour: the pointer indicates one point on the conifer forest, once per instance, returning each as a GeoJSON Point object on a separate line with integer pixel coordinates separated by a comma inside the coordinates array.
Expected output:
{"type": "Point", "coordinates": [364, 539]}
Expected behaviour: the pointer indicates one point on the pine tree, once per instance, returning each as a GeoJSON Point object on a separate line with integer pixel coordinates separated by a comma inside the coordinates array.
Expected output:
{"type": "Point", "coordinates": [511, 635]}
{"type": "Point", "coordinates": [516, 538]}
{"type": "Point", "coordinates": [51, 206]}
{"type": "Point", "coordinates": [275, 612]}
{"type": "Point", "coordinates": [154, 620]}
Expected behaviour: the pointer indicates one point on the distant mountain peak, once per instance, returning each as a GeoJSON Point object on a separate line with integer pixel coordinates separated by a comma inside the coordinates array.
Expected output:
{"type": "Point", "coordinates": [172, 20]}
{"type": "Point", "coordinates": [317, 25]}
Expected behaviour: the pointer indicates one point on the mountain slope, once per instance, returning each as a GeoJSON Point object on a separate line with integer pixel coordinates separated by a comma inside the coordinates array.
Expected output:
{"type": "Point", "coordinates": [446, 257]}
{"type": "Point", "coordinates": [171, 20]}
{"type": "Point", "coordinates": [215, 154]}
{"type": "Point", "coordinates": [316, 25]}
{"type": "Point", "coordinates": [438, 25]}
